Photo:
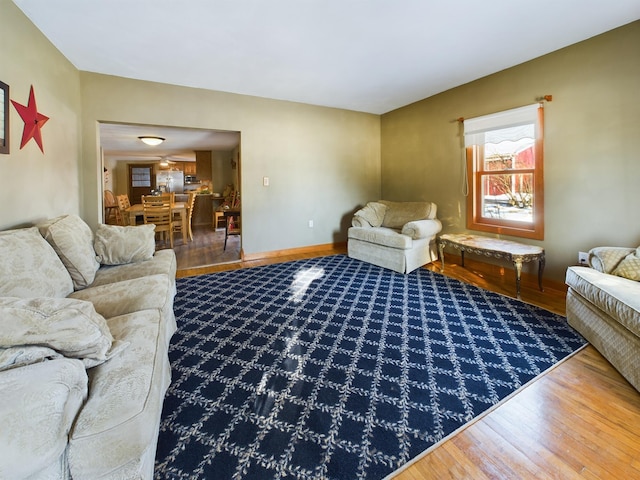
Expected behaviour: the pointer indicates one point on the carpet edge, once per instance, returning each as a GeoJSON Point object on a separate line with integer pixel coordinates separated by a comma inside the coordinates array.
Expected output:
{"type": "Point", "coordinates": [476, 419]}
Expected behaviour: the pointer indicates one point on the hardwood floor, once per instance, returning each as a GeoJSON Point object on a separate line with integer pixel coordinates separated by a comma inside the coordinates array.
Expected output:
{"type": "Point", "coordinates": [580, 420]}
{"type": "Point", "coordinates": [207, 248]}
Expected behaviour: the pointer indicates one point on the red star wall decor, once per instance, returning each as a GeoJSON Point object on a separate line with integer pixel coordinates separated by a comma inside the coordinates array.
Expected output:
{"type": "Point", "coordinates": [33, 121]}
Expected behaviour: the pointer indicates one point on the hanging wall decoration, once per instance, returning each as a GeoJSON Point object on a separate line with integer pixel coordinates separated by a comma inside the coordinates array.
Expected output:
{"type": "Point", "coordinates": [4, 118]}
{"type": "Point", "coordinates": [33, 121]}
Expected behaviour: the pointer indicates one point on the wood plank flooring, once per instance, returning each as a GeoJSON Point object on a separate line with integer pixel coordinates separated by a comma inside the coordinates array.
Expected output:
{"type": "Point", "coordinates": [580, 420]}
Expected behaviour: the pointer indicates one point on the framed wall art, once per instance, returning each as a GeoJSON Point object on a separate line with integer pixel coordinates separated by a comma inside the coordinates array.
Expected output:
{"type": "Point", "coordinates": [4, 118]}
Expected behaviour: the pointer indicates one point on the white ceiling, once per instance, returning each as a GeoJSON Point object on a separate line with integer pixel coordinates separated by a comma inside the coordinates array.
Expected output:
{"type": "Point", "coordinates": [364, 55]}
{"type": "Point", "coordinates": [121, 142]}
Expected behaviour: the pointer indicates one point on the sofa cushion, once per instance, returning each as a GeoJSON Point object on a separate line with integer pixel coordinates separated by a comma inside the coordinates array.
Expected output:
{"type": "Point", "coordinates": [399, 213]}
{"type": "Point", "coordinates": [616, 296]}
{"type": "Point", "coordinates": [381, 236]}
{"type": "Point", "coordinates": [163, 261]}
{"type": "Point", "coordinates": [39, 405]}
{"type": "Point", "coordinates": [121, 416]}
{"type": "Point", "coordinates": [371, 215]}
{"type": "Point", "coordinates": [30, 267]}
{"type": "Point", "coordinates": [128, 296]}
{"type": "Point", "coordinates": [116, 245]}
{"type": "Point", "coordinates": [629, 267]}
{"type": "Point", "coordinates": [68, 326]}
{"type": "Point", "coordinates": [72, 239]}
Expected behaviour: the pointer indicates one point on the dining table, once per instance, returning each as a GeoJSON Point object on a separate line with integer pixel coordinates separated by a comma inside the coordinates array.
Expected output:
{"type": "Point", "coordinates": [180, 208]}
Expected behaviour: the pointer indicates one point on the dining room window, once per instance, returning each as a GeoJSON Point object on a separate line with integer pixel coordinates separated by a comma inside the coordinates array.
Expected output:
{"type": "Point", "coordinates": [504, 154]}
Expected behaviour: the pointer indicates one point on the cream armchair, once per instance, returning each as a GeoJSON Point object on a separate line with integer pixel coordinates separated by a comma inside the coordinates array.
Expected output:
{"type": "Point", "coordinates": [400, 236]}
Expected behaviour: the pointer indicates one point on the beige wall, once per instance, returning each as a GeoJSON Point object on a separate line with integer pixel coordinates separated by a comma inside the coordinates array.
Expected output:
{"type": "Point", "coordinates": [35, 185]}
{"type": "Point", "coordinates": [592, 127]}
{"type": "Point", "coordinates": [322, 162]}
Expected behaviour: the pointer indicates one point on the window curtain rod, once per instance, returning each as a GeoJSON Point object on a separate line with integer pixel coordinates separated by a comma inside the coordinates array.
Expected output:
{"type": "Point", "coordinates": [544, 98]}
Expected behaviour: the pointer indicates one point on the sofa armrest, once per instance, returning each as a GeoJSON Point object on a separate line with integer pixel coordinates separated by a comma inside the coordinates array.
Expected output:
{"type": "Point", "coordinates": [606, 259]}
{"type": "Point", "coordinates": [422, 228]}
{"type": "Point", "coordinates": [39, 405]}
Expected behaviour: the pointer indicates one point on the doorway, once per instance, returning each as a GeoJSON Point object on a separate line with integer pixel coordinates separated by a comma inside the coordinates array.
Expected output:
{"type": "Point", "coordinates": [132, 168]}
{"type": "Point", "coordinates": [141, 182]}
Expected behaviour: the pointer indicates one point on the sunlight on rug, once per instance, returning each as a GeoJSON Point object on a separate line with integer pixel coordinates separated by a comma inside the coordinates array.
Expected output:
{"type": "Point", "coordinates": [337, 369]}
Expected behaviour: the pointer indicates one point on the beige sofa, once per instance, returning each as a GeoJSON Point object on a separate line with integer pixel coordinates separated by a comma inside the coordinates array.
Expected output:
{"type": "Point", "coordinates": [603, 304]}
{"type": "Point", "coordinates": [400, 236]}
{"type": "Point", "coordinates": [85, 323]}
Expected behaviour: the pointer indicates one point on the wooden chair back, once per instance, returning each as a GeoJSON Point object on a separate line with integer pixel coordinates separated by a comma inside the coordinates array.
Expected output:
{"type": "Point", "coordinates": [123, 203]}
{"type": "Point", "coordinates": [112, 213]}
{"type": "Point", "coordinates": [157, 210]}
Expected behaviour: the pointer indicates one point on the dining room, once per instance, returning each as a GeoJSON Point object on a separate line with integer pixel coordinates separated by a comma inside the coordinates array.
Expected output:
{"type": "Point", "coordinates": [197, 171]}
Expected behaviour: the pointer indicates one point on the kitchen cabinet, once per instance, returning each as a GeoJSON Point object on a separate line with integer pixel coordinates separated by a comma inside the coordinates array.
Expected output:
{"type": "Point", "coordinates": [203, 165]}
{"type": "Point", "coordinates": [189, 168]}
{"type": "Point", "coordinates": [202, 210]}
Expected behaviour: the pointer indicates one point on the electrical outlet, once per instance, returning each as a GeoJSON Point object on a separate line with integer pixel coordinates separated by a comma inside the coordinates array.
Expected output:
{"type": "Point", "coordinates": [583, 258]}
{"type": "Point", "coordinates": [265, 181]}
{"type": "Point", "coordinates": [310, 223]}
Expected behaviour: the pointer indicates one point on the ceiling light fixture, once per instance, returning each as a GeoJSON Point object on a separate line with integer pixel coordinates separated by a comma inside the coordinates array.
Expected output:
{"type": "Point", "coordinates": [153, 141]}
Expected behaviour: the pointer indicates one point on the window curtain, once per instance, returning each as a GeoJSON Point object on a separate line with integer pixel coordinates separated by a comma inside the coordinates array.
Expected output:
{"type": "Point", "coordinates": [508, 125]}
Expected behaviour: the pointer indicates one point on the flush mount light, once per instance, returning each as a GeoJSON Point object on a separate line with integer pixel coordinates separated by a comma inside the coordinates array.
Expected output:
{"type": "Point", "coordinates": [153, 141]}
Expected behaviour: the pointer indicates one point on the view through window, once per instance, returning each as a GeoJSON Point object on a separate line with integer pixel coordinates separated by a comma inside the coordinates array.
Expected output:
{"type": "Point", "coordinates": [504, 154]}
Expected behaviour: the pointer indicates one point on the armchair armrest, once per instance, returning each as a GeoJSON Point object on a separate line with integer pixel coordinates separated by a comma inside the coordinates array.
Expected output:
{"type": "Point", "coordinates": [422, 228]}
{"type": "Point", "coordinates": [606, 259]}
{"type": "Point", "coordinates": [358, 221]}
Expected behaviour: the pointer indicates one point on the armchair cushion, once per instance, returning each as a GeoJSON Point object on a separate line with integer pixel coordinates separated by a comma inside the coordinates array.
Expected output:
{"type": "Point", "coordinates": [398, 214]}
{"type": "Point", "coordinates": [371, 215]}
{"type": "Point", "coordinates": [116, 245]}
{"type": "Point", "coordinates": [387, 237]}
{"type": "Point", "coordinates": [72, 239]}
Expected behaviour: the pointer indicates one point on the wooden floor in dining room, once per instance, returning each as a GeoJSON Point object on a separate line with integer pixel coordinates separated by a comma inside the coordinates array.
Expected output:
{"type": "Point", "coordinates": [207, 249]}
{"type": "Point", "coordinates": [580, 420]}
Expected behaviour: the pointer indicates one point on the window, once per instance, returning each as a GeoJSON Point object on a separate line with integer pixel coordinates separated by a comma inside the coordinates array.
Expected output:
{"type": "Point", "coordinates": [504, 159]}
{"type": "Point", "coordinates": [140, 177]}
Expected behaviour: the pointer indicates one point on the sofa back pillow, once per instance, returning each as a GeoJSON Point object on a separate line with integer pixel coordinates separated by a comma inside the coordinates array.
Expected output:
{"type": "Point", "coordinates": [72, 239]}
{"type": "Point", "coordinates": [115, 245]}
{"type": "Point", "coordinates": [399, 213]}
{"type": "Point", "coordinates": [629, 267]}
{"type": "Point", "coordinates": [30, 267]}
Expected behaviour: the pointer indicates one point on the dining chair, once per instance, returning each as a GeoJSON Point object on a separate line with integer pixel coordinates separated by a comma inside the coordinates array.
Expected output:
{"type": "Point", "coordinates": [229, 200]}
{"type": "Point", "coordinates": [123, 204]}
{"type": "Point", "coordinates": [111, 209]}
{"type": "Point", "coordinates": [232, 227]}
{"type": "Point", "coordinates": [157, 210]}
{"type": "Point", "coordinates": [177, 223]}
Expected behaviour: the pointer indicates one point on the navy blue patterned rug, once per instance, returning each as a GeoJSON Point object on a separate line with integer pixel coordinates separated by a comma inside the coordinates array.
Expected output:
{"type": "Point", "coordinates": [332, 368]}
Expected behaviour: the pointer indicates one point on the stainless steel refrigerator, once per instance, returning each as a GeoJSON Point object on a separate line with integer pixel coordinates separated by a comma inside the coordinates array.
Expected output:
{"type": "Point", "coordinates": [170, 181]}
